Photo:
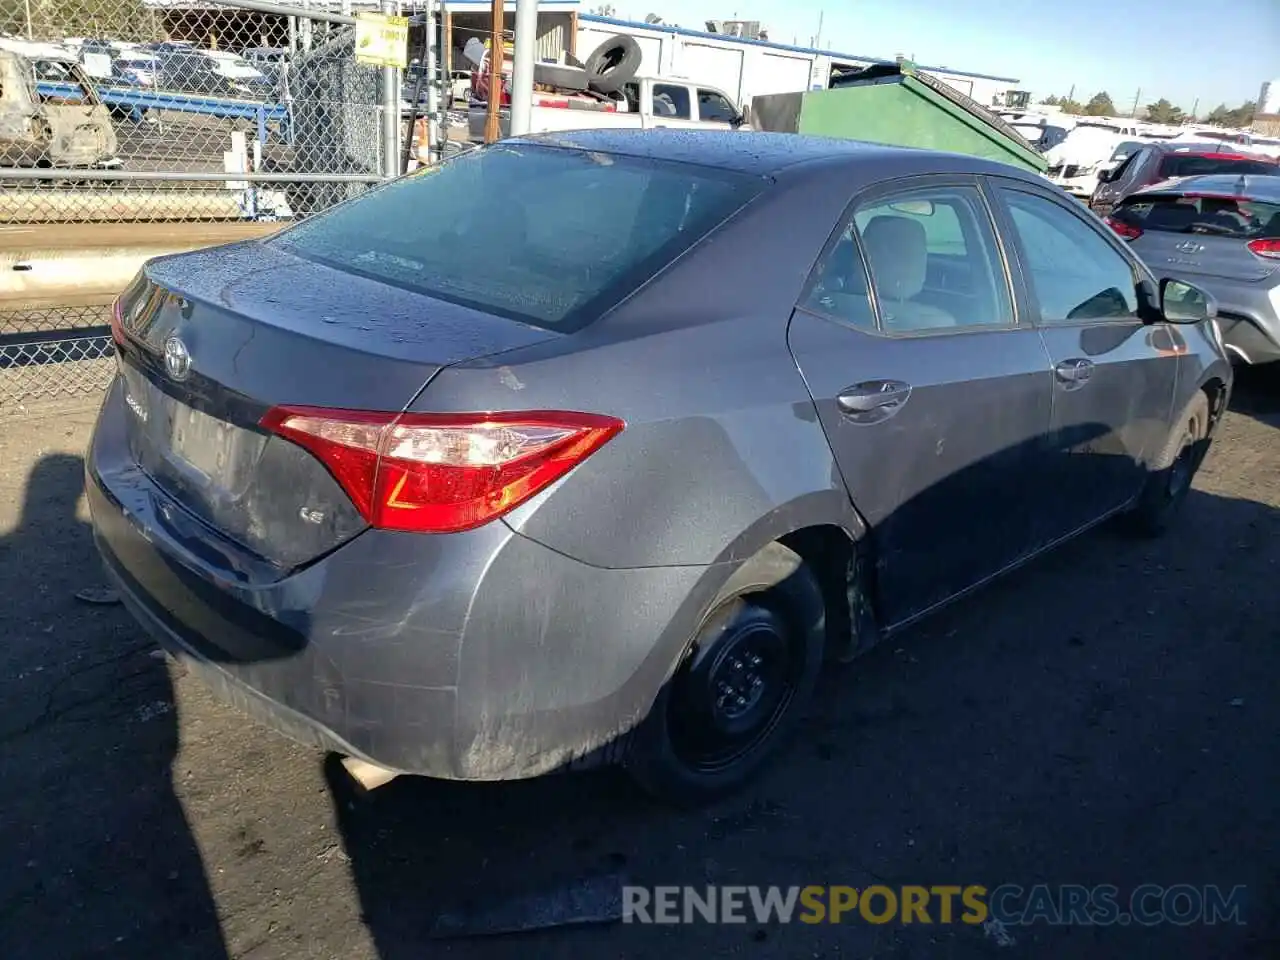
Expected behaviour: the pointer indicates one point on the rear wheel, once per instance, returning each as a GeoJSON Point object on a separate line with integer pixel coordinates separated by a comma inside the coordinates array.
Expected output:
{"type": "Point", "coordinates": [739, 692]}
{"type": "Point", "coordinates": [1170, 479]}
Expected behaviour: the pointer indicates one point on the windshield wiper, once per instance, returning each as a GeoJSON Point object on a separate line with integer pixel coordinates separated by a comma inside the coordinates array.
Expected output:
{"type": "Point", "coordinates": [1211, 228]}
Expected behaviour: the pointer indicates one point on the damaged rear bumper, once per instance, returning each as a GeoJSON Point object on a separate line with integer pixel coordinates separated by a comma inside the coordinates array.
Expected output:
{"type": "Point", "coordinates": [479, 656]}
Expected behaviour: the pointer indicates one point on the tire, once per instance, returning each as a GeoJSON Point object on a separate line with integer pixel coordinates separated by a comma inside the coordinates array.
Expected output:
{"type": "Point", "coordinates": [613, 64]}
{"type": "Point", "coordinates": [554, 75]}
{"type": "Point", "coordinates": [745, 681]}
{"type": "Point", "coordinates": [1173, 470]}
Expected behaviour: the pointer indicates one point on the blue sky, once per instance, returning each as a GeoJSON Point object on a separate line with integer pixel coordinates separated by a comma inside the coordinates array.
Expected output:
{"type": "Point", "coordinates": [1214, 50]}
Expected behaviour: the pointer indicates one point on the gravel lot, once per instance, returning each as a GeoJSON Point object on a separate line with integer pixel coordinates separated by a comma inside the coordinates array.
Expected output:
{"type": "Point", "coordinates": [1107, 715]}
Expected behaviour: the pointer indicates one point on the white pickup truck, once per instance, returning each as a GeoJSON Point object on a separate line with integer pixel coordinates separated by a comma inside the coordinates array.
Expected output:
{"type": "Point", "coordinates": [643, 103]}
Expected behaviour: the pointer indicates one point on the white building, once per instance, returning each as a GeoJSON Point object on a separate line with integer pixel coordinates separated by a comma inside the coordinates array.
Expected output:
{"type": "Point", "coordinates": [747, 68]}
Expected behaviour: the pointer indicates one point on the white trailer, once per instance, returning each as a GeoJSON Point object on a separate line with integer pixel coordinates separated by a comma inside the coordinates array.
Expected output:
{"type": "Point", "coordinates": [749, 68]}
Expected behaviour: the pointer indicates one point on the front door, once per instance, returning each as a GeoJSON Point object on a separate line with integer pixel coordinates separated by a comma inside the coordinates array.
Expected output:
{"type": "Point", "coordinates": [935, 399]}
{"type": "Point", "coordinates": [1114, 376]}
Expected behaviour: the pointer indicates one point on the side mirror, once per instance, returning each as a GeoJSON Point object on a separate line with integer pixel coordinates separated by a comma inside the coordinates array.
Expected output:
{"type": "Point", "coordinates": [1104, 176]}
{"type": "Point", "coordinates": [1181, 302]}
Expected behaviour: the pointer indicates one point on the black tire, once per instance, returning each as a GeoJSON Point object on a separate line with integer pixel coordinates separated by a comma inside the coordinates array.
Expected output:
{"type": "Point", "coordinates": [554, 75]}
{"type": "Point", "coordinates": [744, 683]}
{"type": "Point", "coordinates": [613, 64]}
{"type": "Point", "coordinates": [1173, 470]}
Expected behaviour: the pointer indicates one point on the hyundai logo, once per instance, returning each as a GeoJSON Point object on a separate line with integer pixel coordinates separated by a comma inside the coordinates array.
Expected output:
{"type": "Point", "coordinates": [1189, 246]}
{"type": "Point", "coordinates": [177, 360]}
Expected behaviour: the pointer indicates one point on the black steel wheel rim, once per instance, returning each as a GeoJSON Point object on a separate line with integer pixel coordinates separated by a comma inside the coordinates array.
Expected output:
{"type": "Point", "coordinates": [729, 698]}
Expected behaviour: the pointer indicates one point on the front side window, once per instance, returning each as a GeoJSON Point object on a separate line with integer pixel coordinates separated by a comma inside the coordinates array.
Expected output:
{"type": "Point", "coordinates": [933, 260]}
{"type": "Point", "coordinates": [571, 231]}
{"type": "Point", "coordinates": [715, 106]}
{"type": "Point", "coordinates": [672, 101]}
{"type": "Point", "coordinates": [1075, 273]}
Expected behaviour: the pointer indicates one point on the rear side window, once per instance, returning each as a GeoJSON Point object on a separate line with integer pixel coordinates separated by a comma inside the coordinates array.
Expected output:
{"type": "Point", "coordinates": [1193, 165]}
{"type": "Point", "coordinates": [1126, 149]}
{"type": "Point", "coordinates": [672, 101]}
{"type": "Point", "coordinates": [549, 236]}
{"type": "Point", "coordinates": [933, 262]}
{"type": "Point", "coordinates": [1216, 216]}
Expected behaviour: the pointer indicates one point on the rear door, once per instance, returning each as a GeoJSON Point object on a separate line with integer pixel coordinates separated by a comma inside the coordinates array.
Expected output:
{"type": "Point", "coordinates": [1114, 376]}
{"type": "Point", "coordinates": [935, 398]}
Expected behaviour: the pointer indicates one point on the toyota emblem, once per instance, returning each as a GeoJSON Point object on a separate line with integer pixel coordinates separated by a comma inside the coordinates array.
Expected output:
{"type": "Point", "coordinates": [1189, 246]}
{"type": "Point", "coordinates": [177, 359]}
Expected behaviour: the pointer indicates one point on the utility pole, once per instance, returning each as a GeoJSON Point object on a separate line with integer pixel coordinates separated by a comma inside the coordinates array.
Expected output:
{"type": "Point", "coordinates": [817, 37]}
{"type": "Point", "coordinates": [1137, 97]}
{"type": "Point", "coordinates": [428, 70]}
{"type": "Point", "coordinates": [522, 67]}
{"type": "Point", "coordinates": [1195, 109]}
{"type": "Point", "coordinates": [497, 49]}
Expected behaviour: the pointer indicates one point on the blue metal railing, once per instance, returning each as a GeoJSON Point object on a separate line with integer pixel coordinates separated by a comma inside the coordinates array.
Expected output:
{"type": "Point", "coordinates": [139, 98]}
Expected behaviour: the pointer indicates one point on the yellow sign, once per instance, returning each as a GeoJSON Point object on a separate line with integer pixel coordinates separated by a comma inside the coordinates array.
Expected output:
{"type": "Point", "coordinates": [382, 40]}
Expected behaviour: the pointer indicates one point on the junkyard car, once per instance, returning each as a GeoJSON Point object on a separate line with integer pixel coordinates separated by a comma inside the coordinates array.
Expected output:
{"type": "Point", "coordinates": [596, 447]}
{"type": "Point", "coordinates": [67, 127]}
{"type": "Point", "coordinates": [1222, 232]}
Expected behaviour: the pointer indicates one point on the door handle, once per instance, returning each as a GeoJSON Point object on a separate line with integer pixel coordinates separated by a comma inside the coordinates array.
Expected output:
{"type": "Point", "coordinates": [1074, 372]}
{"type": "Point", "coordinates": [873, 400]}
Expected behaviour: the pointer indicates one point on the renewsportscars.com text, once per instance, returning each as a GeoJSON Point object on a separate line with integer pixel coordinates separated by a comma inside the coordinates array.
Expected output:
{"type": "Point", "coordinates": [1008, 904]}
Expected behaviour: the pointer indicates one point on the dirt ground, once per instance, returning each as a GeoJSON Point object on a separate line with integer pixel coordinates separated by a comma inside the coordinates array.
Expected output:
{"type": "Point", "coordinates": [1107, 715]}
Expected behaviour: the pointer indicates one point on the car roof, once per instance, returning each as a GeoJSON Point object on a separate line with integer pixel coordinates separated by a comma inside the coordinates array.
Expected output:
{"type": "Point", "coordinates": [761, 154]}
{"type": "Point", "coordinates": [1254, 186]}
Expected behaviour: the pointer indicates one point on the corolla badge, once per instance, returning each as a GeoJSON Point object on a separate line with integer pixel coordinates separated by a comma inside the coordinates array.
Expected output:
{"type": "Point", "coordinates": [177, 359]}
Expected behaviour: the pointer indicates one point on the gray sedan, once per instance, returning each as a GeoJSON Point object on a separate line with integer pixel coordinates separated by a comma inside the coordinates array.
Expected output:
{"type": "Point", "coordinates": [1221, 232]}
{"type": "Point", "coordinates": [597, 448]}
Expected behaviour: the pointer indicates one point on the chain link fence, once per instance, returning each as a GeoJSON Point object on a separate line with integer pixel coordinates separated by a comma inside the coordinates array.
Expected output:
{"type": "Point", "coordinates": [207, 118]}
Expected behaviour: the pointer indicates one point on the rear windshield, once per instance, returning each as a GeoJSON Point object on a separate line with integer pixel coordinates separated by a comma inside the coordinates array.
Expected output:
{"type": "Point", "coordinates": [1219, 216]}
{"type": "Point", "coordinates": [1193, 165]}
{"type": "Point", "coordinates": [549, 236]}
{"type": "Point", "coordinates": [1127, 148]}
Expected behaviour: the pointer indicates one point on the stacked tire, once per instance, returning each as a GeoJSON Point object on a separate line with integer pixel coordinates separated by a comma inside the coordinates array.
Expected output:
{"type": "Point", "coordinates": [609, 68]}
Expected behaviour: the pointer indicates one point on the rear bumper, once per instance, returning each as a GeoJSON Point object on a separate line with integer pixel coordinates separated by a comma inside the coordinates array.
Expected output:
{"type": "Point", "coordinates": [479, 656]}
{"type": "Point", "coordinates": [1248, 340]}
{"type": "Point", "coordinates": [1247, 317]}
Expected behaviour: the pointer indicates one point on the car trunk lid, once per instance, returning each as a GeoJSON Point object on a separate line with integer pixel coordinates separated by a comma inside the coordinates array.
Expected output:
{"type": "Point", "coordinates": [1202, 233]}
{"type": "Point", "coordinates": [213, 340]}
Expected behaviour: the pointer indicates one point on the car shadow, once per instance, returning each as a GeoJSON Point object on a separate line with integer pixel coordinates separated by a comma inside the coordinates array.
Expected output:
{"type": "Point", "coordinates": [1257, 393]}
{"type": "Point", "coordinates": [1097, 717]}
{"type": "Point", "coordinates": [99, 859]}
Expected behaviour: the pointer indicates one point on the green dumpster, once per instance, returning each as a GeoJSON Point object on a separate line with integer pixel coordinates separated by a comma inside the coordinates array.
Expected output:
{"type": "Point", "coordinates": [894, 104]}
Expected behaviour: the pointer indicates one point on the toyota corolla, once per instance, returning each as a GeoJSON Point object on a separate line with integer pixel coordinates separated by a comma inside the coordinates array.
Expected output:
{"type": "Point", "coordinates": [596, 448]}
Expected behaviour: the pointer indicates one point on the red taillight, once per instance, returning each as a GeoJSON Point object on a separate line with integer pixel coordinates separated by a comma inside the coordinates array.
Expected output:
{"type": "Point", "coordinates": [1267, 248]}
{"type": "Point", "coordinates": [117, 322]}
{"type": "Point", "coordinates": [1128, 231]}
{"type": "Point", "coordinates": [441, 473]}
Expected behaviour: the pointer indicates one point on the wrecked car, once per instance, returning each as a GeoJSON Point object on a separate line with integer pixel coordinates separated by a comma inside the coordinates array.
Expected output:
{"type": "Point", "coordinates": [69, 127]}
